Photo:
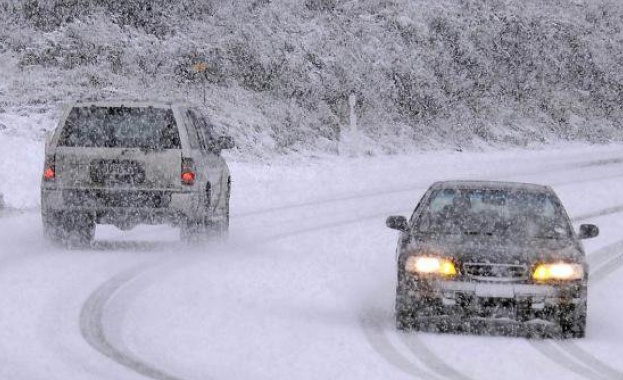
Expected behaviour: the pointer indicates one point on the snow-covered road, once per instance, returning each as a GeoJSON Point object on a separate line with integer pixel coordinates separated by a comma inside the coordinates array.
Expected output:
{"type": "Point", "coordinates": [304, 287]}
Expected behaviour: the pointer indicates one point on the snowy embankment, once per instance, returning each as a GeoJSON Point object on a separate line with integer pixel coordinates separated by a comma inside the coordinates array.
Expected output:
{"type": "Point", "coordinates": [445, 73]}
{"type": "Point", "coordinates": [304, 286]}
{"type": "Point", "coordinates": [21, 157]}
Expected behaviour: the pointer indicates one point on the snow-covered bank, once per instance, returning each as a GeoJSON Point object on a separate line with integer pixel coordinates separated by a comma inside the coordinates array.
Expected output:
{"type": "Point", "coordinates": [444, 73]}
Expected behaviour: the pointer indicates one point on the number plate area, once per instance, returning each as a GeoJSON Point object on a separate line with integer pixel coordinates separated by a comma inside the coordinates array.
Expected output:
{"type": "Point", "coordinates": [494, 291]}
{"type": "Point", "coordinates": [116, 172]}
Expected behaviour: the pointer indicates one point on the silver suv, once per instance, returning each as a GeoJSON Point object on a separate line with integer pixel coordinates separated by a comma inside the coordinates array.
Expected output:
{"type": "Point", "coordinates": [127, 163]}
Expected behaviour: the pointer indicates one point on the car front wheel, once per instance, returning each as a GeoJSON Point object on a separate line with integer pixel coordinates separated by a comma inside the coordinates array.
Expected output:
{"type": "Point", "coordinates": [408, 313]}
{"type": "Point", "coordinates": [573, 320]}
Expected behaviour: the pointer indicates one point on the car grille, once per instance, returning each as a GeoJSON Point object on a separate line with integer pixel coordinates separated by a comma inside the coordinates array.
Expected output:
{"type": "Point", "coordinates": [125, 198]}
{"type": "Point", "coordinates": [495, 272]}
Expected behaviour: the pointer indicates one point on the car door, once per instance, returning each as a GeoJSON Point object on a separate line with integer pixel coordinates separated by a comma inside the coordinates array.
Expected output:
{"type": "Point", "coordinates": [211, 163]}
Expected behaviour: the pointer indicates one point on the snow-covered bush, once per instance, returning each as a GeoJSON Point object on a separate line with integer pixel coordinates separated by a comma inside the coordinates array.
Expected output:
{"type": "Point", "coordinates": [458, 72]}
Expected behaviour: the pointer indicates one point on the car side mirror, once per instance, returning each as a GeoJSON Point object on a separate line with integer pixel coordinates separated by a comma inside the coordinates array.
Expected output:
{"type": "Point", "coordinates": [397, 223]}
{"type": "Point", "coordinates": [588, 231]}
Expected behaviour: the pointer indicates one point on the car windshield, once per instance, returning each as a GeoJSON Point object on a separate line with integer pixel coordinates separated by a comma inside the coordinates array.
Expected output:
{"type": "Point", "coordinates": [120, 127]}
{"type": "Point", "coordinates": [494, 212]}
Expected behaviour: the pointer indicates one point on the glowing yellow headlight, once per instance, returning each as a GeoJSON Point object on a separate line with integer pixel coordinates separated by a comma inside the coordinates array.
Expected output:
{"type": "Point", "coordinates": [431, 265]}
{"type": "Point", "coordinates": [558, 271]}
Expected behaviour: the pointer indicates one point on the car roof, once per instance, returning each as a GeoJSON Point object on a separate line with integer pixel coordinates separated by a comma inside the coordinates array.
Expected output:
{"type": "Point", "coordinates": [131, 104]}
{"type": "Point", "coordinates": [490, 185]}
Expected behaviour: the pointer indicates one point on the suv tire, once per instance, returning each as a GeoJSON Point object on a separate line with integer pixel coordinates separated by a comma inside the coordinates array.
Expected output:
{"type": "Point", "coordinates": [69, 228]}
{"type": "Point", "coordinates": [197, 230]}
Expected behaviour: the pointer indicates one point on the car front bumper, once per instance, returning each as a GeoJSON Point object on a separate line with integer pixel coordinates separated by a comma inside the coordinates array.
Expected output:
{"type": "Point", "coordinates": [451, 291]}
{"type": "Point", "coordinates": [473, 303]}
{"type": "Point", "coordinates": [537, 295]}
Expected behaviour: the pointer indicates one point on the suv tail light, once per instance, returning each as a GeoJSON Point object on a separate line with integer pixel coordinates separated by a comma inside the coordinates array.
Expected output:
{"type": "Point", "coordinates": [49, 169]}
{"type": "Point", "coordinates": [188, 171]}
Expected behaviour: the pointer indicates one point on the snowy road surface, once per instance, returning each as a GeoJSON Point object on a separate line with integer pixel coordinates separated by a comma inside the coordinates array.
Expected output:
{"type": "Point", "coordinates": [304, 287]}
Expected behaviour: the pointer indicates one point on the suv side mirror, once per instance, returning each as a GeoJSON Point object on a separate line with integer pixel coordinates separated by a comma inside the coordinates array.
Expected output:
{"type": "Point", "coordinates": [588, 231]}
{"type": "Point", "coordinates": [397, 223]}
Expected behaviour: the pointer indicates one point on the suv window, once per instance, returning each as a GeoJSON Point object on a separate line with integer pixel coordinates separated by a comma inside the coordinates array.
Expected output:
{"type": "Point", "coordinates": [120, 127]}
{"type": "Point", "coordinates": [205, 131]}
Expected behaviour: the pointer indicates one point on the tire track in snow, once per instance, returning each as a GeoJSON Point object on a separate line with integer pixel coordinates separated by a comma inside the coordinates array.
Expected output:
{"type": "Point", "coordinates": [593, 362]}
{"type": "Point", "coordinates": [605, 269]}
{"type": "Point", "coordinates": [372, 327]}
{"type": "Point", "coordinates": [606, 260]}
{"type": "Point", "coordinates": [92, 312]}
{"type": "Point", "coordinates": [422, 186]}
{"type": "Point", "coordinates": [339, 223]}
{"type": "Point", "coordinates": [432, 360]}
{"type": "Point", "coordinates": [416, 346]}
{"type": "Point", "coordinates": [554, 351]}
{"type": "Point", "coordinates": [611, 266]}
{"type": "Point", "coordinates": [94, 333]}
{"type": "Point", "coordinates": [92, 327]}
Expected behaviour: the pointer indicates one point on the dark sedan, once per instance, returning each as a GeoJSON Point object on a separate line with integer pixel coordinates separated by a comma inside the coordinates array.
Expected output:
{"type": "Point", "coordinates": [491, 255]}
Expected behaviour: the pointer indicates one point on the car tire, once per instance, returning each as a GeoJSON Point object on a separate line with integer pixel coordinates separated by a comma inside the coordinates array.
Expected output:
{"type": "Point", "coordinates": [573, 320]}
{"type": "Point", "coordinates": [422, 315]}
{"type": "Point", "coordinates": [406, 313]}
{"type": "Point", "coordinates": [405, 321]}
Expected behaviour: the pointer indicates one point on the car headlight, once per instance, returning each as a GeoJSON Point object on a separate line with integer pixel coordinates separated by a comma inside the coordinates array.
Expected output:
{"type": "Point", "coordinates": [430, 265]}
{"type": "Point", "coordinates": [558, 271]}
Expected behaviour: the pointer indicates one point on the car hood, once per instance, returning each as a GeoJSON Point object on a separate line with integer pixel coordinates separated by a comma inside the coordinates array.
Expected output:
{"type": "Point", "coordinates": [495, 249]}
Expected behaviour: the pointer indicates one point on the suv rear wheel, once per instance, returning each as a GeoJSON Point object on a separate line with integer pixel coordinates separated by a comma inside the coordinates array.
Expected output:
{"type": "Point", "coordinates": [202, 229]}
{"type": "Point", "coordinates": [70, 228]}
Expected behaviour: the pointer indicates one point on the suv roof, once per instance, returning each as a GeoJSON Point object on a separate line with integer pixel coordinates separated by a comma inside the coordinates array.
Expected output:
{"type": "Point", "coordinates": [130, 104]}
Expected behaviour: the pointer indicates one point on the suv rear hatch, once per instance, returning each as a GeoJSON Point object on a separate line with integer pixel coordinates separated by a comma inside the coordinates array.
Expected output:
{"type": "Point", "coordinates": [135, 148]}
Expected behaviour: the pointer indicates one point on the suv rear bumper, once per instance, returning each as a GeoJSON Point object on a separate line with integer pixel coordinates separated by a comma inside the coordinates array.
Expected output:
{"type": "Point", "coordinates": [109, 206]}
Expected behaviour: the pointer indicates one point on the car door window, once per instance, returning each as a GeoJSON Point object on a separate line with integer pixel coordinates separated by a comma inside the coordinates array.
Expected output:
{"type": "Point", "coordinates": [191, 132]}
{"type": "Point", "coordinates": [204, 129]}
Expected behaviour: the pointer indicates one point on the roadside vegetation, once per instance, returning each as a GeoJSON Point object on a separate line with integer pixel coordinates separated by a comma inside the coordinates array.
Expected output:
{"type": "Point", "coordinates": [278, 74]}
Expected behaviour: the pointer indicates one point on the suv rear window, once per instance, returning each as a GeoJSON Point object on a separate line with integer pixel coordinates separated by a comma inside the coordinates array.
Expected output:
{"type": "Point", "coordinates": [120, 127]}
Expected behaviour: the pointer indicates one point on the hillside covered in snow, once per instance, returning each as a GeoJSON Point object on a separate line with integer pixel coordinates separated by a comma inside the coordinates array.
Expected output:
{"type": "Point", "coordinates": [278, 74]}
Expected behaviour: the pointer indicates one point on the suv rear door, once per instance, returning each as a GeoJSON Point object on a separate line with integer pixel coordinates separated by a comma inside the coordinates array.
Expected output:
{"type": "Point", "coordinates": [119, 147]}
